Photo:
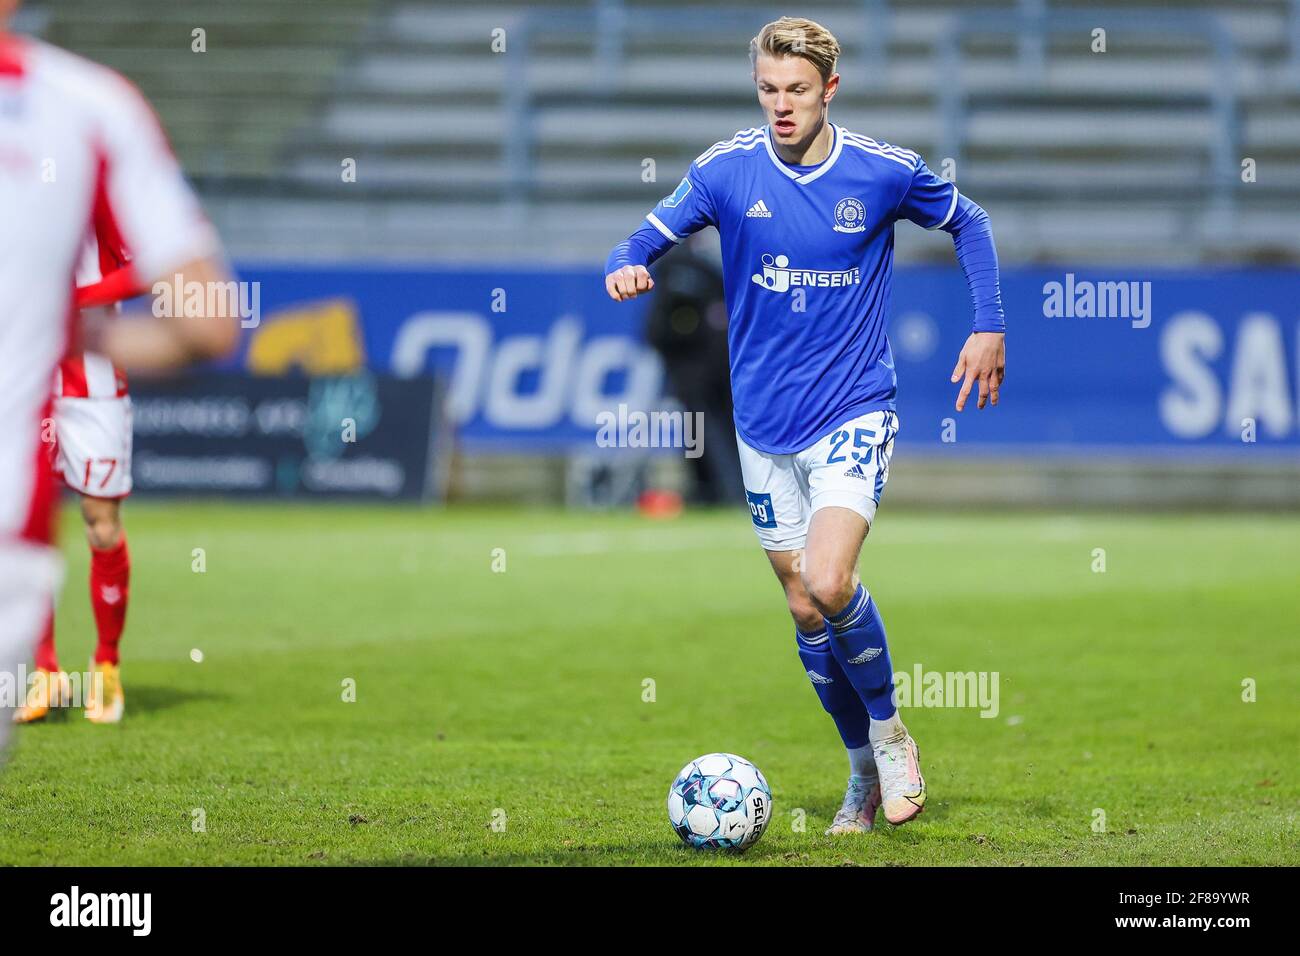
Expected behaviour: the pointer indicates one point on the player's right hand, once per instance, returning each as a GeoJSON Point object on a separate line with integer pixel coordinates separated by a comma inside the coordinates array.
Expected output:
{"type": "Point", "coordinates": [628, 283]}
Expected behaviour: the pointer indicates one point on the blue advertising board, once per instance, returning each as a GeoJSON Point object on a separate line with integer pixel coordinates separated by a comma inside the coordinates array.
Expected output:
{"type": "Point", "coordinates": [356, 436]}
{"type": "Point", "coordinates": [1142, 361]}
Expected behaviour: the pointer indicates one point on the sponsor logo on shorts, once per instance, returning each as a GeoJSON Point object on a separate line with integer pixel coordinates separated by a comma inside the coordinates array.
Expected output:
{"type": "Point", "coordinates": [760, 509]}
{"type": "Point", "coordinates": [856, 472]}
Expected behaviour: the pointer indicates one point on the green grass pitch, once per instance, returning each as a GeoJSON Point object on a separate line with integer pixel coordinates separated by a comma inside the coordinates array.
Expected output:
{"type": "Point", "coordinates": [518, 697]}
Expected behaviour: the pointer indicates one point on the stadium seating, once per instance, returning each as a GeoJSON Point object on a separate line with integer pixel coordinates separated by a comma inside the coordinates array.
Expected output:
{"type": "Point", "coordinates": [539, 150]}
{"type": "Point", "coordinates": [233, 108]}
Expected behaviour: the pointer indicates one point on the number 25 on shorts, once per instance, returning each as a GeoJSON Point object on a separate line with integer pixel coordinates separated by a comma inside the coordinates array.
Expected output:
{"type": "Point", "coordinates": [861, 439]}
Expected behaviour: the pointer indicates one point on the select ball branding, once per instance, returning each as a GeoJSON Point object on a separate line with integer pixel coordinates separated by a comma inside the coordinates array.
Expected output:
{"type": "Point", "coordinates": [758, 810]}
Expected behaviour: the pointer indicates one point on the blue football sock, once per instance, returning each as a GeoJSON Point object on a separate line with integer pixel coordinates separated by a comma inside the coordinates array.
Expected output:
{"type": "Point", "coordinates": [858, 642]}
{"type": "Point", "coordinates": [837, 695]}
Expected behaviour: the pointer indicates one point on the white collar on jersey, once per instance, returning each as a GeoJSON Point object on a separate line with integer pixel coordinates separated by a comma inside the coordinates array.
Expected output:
{"type": "Point", "coordinates": [807, 177]}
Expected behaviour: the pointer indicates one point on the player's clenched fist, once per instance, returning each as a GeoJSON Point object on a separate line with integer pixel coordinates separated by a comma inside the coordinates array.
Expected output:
{"type": "Point", "coordinates": [628, 283]}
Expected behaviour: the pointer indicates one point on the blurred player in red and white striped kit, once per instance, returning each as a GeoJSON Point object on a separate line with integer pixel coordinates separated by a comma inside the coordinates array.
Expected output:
{"type": "Point", "coordinates": [91, 454]}
{"type": "Point", "coordinates": [75, 138]}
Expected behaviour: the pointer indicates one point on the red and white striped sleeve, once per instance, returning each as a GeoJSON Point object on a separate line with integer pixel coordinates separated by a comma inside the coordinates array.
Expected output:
{"type": "Point", "coordinates": [89, 375]}
{"type": "Point", "coordinates": [143, 202]}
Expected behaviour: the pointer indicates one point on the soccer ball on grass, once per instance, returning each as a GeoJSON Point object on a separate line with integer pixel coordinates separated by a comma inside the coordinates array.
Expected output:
{"type": "Point", "coordinates": [719, 802]}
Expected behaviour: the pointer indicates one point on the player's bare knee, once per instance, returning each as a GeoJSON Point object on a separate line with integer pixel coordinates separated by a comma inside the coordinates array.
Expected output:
{"type": "Point", "coordinates": [806, 616]}
{"type": "Point", "coordinates": [829, 588]}
{"type": "Point", "coordinates": [805, 613]}
{"type": "Point", "coordinates": [103, 526]}
{"type": "Point", "coordinates": [103, 533]}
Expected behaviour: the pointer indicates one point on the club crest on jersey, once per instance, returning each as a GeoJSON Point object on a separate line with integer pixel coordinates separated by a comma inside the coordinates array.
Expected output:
{"type": "Point", "coordinates": [850, 215]}
{"type": "Point", "coordinates": [681, 192]}
{"type": "Point", "coordinates": [778, 277]}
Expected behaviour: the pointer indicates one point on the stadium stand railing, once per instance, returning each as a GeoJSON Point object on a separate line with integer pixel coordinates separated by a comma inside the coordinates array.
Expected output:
{"type": "Point", "coordinates": [507, 132]}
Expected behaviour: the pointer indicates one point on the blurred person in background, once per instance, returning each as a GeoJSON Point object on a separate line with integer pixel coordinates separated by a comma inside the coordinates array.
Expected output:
{"type": "Point", "coordinates": [91, 455]}
{"type": "Point", "coordinates": [75, 137]}
{"type": "Point", "coordinates": [687, 325]}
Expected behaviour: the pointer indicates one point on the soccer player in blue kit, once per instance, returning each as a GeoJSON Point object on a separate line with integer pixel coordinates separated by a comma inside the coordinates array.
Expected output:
{"type": "Point", "coordinates": [806, 211]}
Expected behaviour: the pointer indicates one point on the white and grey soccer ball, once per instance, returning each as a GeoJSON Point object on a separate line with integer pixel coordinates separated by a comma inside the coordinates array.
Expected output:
{"type": "Point", "coordinates": [719, 802]}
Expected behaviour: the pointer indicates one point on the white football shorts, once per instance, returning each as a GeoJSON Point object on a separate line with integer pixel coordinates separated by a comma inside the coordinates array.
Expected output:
{"type": "Point", "coordinates": [847, 468]}
{"type": "Point", "coordinates": [93, 445]}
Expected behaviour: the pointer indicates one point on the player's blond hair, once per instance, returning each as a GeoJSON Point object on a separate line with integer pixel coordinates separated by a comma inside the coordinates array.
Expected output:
{"type": "Point", "coordinates": [797, 36]}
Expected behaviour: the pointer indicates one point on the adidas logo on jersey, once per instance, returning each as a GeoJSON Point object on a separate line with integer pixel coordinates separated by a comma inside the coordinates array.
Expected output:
{"type": "Point", "coordinates": [759, 211]}
{"type": "Point", "coordinates": [856, 472]}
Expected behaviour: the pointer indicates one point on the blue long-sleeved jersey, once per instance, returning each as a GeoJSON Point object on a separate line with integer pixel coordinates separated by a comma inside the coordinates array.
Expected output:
{"type": "Point", "coordinates": [808, 255]}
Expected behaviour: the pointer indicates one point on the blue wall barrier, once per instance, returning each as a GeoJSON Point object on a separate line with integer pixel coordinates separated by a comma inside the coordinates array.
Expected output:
{"type": "Point", "coordinates": [1162, 362]}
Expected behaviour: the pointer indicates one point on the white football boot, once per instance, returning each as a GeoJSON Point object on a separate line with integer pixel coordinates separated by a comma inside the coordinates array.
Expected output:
{"type": "Point", "coordinates": [898, 761]}
{"type": "Point", "coordinates": [858, 814]}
